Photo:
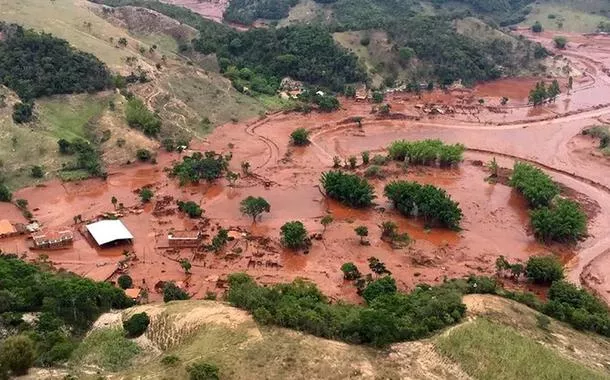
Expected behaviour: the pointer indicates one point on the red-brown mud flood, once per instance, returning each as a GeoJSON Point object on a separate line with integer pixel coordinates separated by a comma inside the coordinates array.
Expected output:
{"type": "Point", "coordinates": [495, 217]}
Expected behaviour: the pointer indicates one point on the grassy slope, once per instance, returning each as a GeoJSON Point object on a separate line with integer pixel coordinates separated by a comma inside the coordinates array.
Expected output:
{"type": "Point", "coordinates": [576, 16]}
{"type": "Point", "coordinates": [499, 340]}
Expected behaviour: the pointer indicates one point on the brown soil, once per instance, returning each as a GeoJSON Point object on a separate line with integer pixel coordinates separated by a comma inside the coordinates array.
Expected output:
{"type": "Point", "coordinates": [495, 217]}
{"type": "Point", "coordinates": [211, 9]}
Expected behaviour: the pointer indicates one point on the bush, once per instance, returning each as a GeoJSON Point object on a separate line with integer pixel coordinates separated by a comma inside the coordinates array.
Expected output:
{"type": "Point", "coordinates": [378, 97]}
{"type": "Point", "coordinates": [146, 195]}
{"type": "Point", "coordinates": [203, 371]}
{"type": "Point", "coordinates": [23, 112]}
{"type": "Point", "coordinates": [136, 325]}
{"type": "Point", "coordinates": [536, 186]}
{"type": "Point", "coordinates": [17, 354]}
{"type": "Point", "coordinates": [143, 154]}
{"type": "Point", "coordinates": [207, 166]}
{"type": "Point", "coordinates": [348, 189]}
{"type": "Point", "coordinates": [379, 160]}
{"type": "Point", "coordinates": [294, 235]}
{"type": "Point", "coordinates": [5, 193]}
{"type": "Point", "coordinates": [430, 202]}
{"type": "Point", "coordinates": [560, 42]}
{"type": "Point", "coordinates": [427, 152]}
{"type": "Point", "coordinates": [171, 292]}
{"type": "Point", "coordinates": [300, 137]}
{"type": "Point", "coordinates": [537, 27]}
{"type": "Point", "coordinates": [192, 209]}
{"type": "Point", "coordinates": [139, 117]}
{"type": "Point", "coordinates": [374, 171]}
{"type": "Point", "coordinates": [564, 221]}
{"type": "Point", "coordinates": [125, 281]}
{"type": "Point", "coordinates": [365, 157]}
{"type": "Point", "coordinates": [544, 269]}
{"type": "Point", "coordinates": [37, 171]}
{"type": "Point", "coordinates": [383, 286]}
{"type": "Point", "coordinates": [170, 360]}
{"type": "Point", "coordinates": [350, 271]}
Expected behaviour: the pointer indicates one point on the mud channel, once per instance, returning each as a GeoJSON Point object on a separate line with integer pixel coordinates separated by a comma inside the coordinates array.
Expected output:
{"type": "Point", "coordinates": [495, 217]}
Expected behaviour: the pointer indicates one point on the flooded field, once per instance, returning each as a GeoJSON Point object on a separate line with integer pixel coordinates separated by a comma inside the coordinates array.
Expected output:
{"type": "Point", "coordinates": [495, 217]}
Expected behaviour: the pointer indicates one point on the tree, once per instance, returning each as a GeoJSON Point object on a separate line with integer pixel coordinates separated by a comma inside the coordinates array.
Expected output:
{"type": "Point", "coordinates": [544, 269]}
{"type": "Point", "coordinates": [537, 27]}
{"type": "Point", "coordinates": [349, 91]}
{"type": "Point", "coordinates": [37, 171]}
{"type": "Point", "coordinates": [348, 189]}
{"type": "Point", "coordinates": [536, 186]}
{"type": "Point", "coordinates": [186, 265]}
{"type": "Point", "coordinates": [363, 232]}
{"type": "Point", "coordinates": [326, 221]}
{"type": "Point", "coordinates": [294, 235]}
{"type": "Point", "coordinates": [378, 97]}
{"type": "Point", "coordinates": [383, 286]}
{"type": "Point", "coordinates": [122, 41]}
{"type": "Point", "coordinates": [146, 194]}
{"type": "Point", "coordinates": [570, 83]}
{"type": "Point", "coordinates": [538, 94]}
{"type": "Point", "coordinates": [245, 168]}
{"type": "Point", "coordinates": [350, 271]}
{"type": "Point", "coordinates": [254, 206]}
{"type": "Point", "coordinates": [406, 53]}
{"type": "Point", "coordinates": [114, 201]}
{"type": "Point", "coordinates": [232, 177]}
{"type": "Point", "coordinates": [17, 354]}
{"type": "Point", "coordinates": [501, 264]}
{"type": "Point", "coordinates": [192, 209]}
{"type": "Point", "coordinates": [352, 162]}
{"type": "Point", "coordinates": [365, 157]}
{"type": "Point", "coordinates": [220, 240]}
{"type": "Point", "coordinates": [377, 266]}
{"type": "Point", "coordinates": [563, 221]}
{"type": "Point", "coordinates": [389, 230]}
{"type": "Point", "coordinates": [560, 42]}
{"type": "Point", "coordinates": [171, 292]}
{"type": "Point", "coordinates": [299, 137]}
{"type": "Point", "coordinates": [5, 193]}
{"type": "Point", "coordinates": [143, 154]}
{"type": "Point", "coordinates": [136, 325]}
{"type": "Point", "coordinates": [23, 112]}
{"type": "Point", "coordinates": [125, 281]}
{"type": "Point", "coordinates": [553, 91]}
{"type": "Point", "coordinates": [203, 371]}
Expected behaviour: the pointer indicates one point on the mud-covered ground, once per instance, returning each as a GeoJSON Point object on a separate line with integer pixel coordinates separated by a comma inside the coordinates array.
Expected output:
{"type": "Point", "coordinates": [495, 217]}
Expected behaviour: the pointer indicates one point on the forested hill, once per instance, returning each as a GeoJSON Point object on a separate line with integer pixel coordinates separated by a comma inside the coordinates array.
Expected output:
{"type": "Point", "coordinates": [38, 64]}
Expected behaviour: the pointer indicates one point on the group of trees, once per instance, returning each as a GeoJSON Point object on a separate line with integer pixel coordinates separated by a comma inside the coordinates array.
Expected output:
{"type": "Point", "coordinates": [247, 11]}
{"type": "Point", "coordinates": [192, 209]}
{"type": "Point", "coordinates": [66, 306]}
{"type": "Point", "coordinates": [207, 166]}
{"type": "Point", "coordinates": [541, 94]}
{"type": "Point", "coordinates": [388, 316]}
{"type": "Point", "coordinates": [552, 218]}
{"type": "Point", "coordinates": [427, 201]}
{"type": "Point", "coordinates": [88, 158]}
{"type": "Point", "coordinates": [348, 189]}
{"type": "Point", "coordinates": [542, 270]}
{"type": "Point", "coordinates": [139, 116]}
{"type": "Point", "coordinates": [427, 152]}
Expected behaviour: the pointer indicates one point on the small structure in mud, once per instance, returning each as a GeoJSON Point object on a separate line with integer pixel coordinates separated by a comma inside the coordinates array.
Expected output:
{"type": "Point", "coordinates": [109, 231]}
{"type": "Point", "coordinates": [7, 229]}
{"type": "Point", "coordinates": [59, 240]}
{"type": "Point", "coordinates": [184, 239]}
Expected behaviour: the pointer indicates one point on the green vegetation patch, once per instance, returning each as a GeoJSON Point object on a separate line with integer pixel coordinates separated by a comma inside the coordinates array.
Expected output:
{"type": "Point", "coordinates": [247, 11]}
{"type": "Point", "coordinates": [107, 348]}
{"type": "Point", "coordinates": [427, 152]}
{"type": "Point", "coordinates": [488, 350]}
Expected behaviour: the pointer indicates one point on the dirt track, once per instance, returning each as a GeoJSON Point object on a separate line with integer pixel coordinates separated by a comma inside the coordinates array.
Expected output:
{"type": "Point", "coordinates": [495, 217]}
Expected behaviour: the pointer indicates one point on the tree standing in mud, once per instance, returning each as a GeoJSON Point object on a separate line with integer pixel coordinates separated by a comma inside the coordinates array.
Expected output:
{"type": "Point", "coordinates": [186, 265]}
{"type": "Point", "coordinates": [114, 201]}
{"type": "Point", "coordinates": [363, 232]}
{"type": "Point", "coordinates": [254, 206]}
{"type": "Point", "coordinates": [326, 221]}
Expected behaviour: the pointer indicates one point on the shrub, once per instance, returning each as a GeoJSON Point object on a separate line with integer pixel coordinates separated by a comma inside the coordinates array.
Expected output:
{"type": "Point", "coordinates": [207, 166]}
{"type": "Point", "coordinates": [379, 160]}
{"type": "Point", "coordinates": [374, 171]}
{"type": "Point", "coordinates": [171, 292]}
{"type": "Point", "coordinates": [560, 42]}
{"type": "Point", "coordinates": [378, 97]}
{"type": "Point", "coordinates": [136, 325]}
{"type": "Point", "coordinates": [348, 189]}
{"type": "Point", "coordinates": [294, 235]}
{"type": "Point", "coordinates": [23, 112]}
{"type": "Point", "coordinates": [350, 271]}
{"type": "Point", "coordinates": [146, 194]}
{"type": "Point", "coordinates": [544, 269]}
{"type": "Point", "coordinates": [365, 157]}
{"type": "Point", "coordinates": [143, 154]}
{"type": "Point", "coordinates": [17, 354]}
{"type": "Point", "coordinates": [427, 152]}
{"type": "Point", "coordinates": [383, 286]}
{"type": "Point", "coordinates": [139, 117]}
{"type": "Point", "coordinates": [203, 371]}
{"type": "Point", "coordinates": [564, 221]}
{"type": "Point", "coordinates": [430, 202]}
{"type": "Point", "coordinates": [536, 186]}
{"type": "Point", "coordinates": [170, 360]}
{"type": "Point", "coordinates": [352, 162]}
{"type": "Point", "coordinates": [537, 27]}
{"type": "Point", "coordinates": [37, 171]}
{"type": "Point", "coordinates": [299, 137]}
{"type": "Point", "coordinates": [5, 193]}
{"type": "Point", "coordinates": [125, 281]}
{"type": "Point", "coordinates": [192, 209]}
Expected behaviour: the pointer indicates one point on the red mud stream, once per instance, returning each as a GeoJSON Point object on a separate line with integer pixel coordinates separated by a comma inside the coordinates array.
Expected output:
{"type": "Point", "coordinates": [495, 218]}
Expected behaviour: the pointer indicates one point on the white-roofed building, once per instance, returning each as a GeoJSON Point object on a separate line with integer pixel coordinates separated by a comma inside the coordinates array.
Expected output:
{"type": "Point", "coordinates": [109, 231]}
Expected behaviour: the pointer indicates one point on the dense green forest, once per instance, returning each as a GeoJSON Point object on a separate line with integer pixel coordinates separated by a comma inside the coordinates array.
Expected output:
{"type": "Point", "coordinates": [65, 305]}
{"type": "Point", "coordinates": [248, 11]}
{"type": "Point", "coordinates": [38, 64]}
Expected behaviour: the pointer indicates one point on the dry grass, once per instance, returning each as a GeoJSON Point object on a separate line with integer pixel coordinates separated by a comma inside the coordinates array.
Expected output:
{"type": "Point", "coordinates": [570, 16]}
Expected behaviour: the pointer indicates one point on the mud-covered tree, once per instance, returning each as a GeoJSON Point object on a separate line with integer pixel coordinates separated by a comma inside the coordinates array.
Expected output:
{"type": "Point", "coordinates": [570, 84]}
{"type": "Point", "coordinates": [245, 168]}
{"type": "Point", "coordinates": [192, 209]}
{"type": "Point", "coordinates": [326, 221]}
{"type": "Point", "coordinates": [146, 194]}
{"type": "Point", "coordinates": [553, 91]}
{"type": "Point", "coordinates": [348, 189]}
{"type": "Point", "coordinates": [544, 269]}
{"type": "Point", "coordinates": [563, 221]}
{"type": "Point", "coordinates": [293, 235]}
{"type": "Point", "coordinates": [362, 232]}
{"type": "Point", "coordinates": [125, 281]}
{"type": "Point", "coordinates": [254, 206]}
{"type": "Point", "coordinates": [350, 271]}
{"type": "Point", "coordinates": [352, 162]}
{"type": "Point", "coordinates": [171, 292]}
{"type": "Point", "coordinates": [232, 177]}
{"type": "Point", "coordinates": [502, 264]}
{"type": "Point", "coordinates": [219, 240]}
{"type": "Point", "coordinates": [366, 156]}
{"type": "Point", "coordinates": [377, 266]}
{"type": "Point", "coordinates": [17, 354]}
{"type": "Point", "coordinates": [389, 230]}
{"type": "Point", "coordinates": [560, 42]}
{"type": "Point", "coordinates": [114, 201]}
{"type": "Point", "coordinates": [538, 95]}
{"type": "Point", "coordinates": [136, 325]}
{"type": "Point", "coordinates": [299, 137]}
{"type": "Point", "coordinates": [186, 265]}
{"type": "Point", "coordinates": [383, 286]}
